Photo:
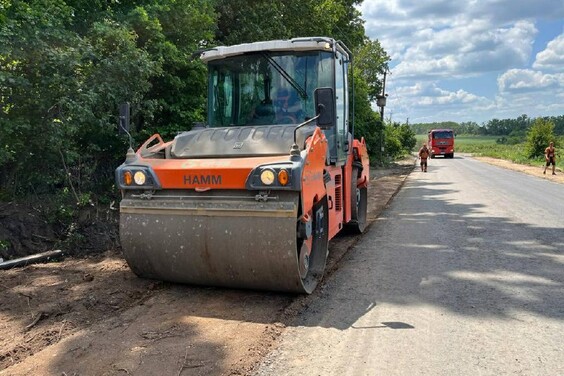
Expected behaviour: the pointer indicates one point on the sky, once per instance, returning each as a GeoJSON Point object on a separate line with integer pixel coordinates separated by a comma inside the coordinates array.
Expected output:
{"type": "Point", "coordinates": [470, 60]}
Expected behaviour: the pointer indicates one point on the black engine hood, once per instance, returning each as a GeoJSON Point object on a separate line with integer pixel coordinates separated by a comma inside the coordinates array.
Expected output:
{"type": "Point", "coordinates": [245, 141]}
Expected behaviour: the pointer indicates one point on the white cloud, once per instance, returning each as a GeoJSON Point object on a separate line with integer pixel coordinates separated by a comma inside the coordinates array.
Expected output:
{"type": "Point", "coordinates": [431, 94]}
{"type": "Point", "coordinates": [553, 56]}
{"type": "Point", "coordinates": [465, 50]}
{"type": "Point", "coordinates": [424, 100]}
{"type": "Point", "coordinates": [520, 80]}
{"type": "Point", "coordinates": [438, 43]}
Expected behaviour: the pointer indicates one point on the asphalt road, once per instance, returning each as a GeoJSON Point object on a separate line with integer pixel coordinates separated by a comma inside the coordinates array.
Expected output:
{"type": "Point", "coordinates": [462, 275]}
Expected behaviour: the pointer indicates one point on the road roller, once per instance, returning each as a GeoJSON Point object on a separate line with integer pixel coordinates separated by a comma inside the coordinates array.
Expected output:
{"type": "Point", "coordinates": [251, 198]}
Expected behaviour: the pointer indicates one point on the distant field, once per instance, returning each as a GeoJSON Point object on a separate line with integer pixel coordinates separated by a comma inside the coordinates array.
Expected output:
{"type": "Point", "coordinates": [487, 147]}
{"type": "Point", "coordinates": [463, 141]}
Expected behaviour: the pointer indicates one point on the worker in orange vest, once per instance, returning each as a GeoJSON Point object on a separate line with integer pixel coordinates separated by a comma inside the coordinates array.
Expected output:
{"type": "Point", "coordinates": [423, 155]}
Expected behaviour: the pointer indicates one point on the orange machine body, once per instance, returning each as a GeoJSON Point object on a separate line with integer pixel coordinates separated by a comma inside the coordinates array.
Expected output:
{"type": "Point", "coordinates": [206, 174]}
{"type": "Point", "coordinates": [251, 198]}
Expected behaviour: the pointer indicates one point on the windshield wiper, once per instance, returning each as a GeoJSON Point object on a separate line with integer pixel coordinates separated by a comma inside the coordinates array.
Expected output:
{"type": "Point", "coordinates": [287, 77]}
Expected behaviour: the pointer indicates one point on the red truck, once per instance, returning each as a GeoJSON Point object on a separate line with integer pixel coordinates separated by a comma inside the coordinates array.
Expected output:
{"type": "Point", "coordinates": [441, 142]}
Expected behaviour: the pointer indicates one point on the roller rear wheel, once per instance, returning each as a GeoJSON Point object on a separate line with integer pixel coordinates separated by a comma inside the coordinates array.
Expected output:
{"type": "Point", "coordinates": [359, 205]}
{"type": "Point", "coordinates": [311, 265]}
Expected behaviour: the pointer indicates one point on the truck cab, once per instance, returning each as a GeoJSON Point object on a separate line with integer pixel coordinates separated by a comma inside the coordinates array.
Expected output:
{"type": "Point", "coordinates": [441, 142]}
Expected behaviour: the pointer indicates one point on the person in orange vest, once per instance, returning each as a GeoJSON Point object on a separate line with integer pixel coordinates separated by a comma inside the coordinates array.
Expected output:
{"type": "Point", "coordinates": [423, 155]}
{"type": "Point", "coordinates": [550, 157]}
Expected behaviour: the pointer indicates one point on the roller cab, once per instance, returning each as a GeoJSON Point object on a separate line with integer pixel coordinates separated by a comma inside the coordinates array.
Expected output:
{"type": "Point", "coordinates": [251, 198]}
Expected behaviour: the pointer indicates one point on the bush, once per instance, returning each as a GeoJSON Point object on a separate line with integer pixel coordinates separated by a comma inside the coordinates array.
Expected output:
{"type": "Point", "coordinates": [392, 141]}
{"type": "Point", "coordinates": [406, 137]}
{"type": "Point", "coordinates": [539, 136]}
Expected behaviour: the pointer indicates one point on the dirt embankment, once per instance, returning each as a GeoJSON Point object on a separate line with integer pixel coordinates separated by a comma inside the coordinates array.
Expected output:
{"type": "Point", "coordinates": [32, 227]}
{"type": "Point", "coordinates": [93, 316]}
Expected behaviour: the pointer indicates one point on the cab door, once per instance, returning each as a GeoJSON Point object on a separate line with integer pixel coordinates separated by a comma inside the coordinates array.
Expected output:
{"type": "Point", "coordinates": [341, 105]}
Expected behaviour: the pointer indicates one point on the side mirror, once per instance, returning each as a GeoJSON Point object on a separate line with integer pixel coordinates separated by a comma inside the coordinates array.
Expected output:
{"type": "Point", "coordinates": [124, 118]}
{"type": "Point", "coordinates": [325, 107]}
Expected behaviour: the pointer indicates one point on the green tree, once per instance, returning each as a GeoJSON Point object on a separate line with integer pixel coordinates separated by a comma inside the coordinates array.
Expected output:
{"type": "Point", "coordinates": [171, 31]}
{"type": "Point", "coordinates": [539, 136]}
{"type": "Point", "coordinates": [38, 54]}
{"type": "Point", "coordinates": [367, 122]}
{"type": "Point", "coordinates": [371, 60]}
{"type": "Point", "coordinates": [393, 146]}
{"type": "Point", "coordinates": [558, 124]}
{"type": "Point", "coordinates": [242, 21]}
{"type": "Point", "coordinates": [65, 66]}
{"type": "Point", "coordinates": [406, 137]}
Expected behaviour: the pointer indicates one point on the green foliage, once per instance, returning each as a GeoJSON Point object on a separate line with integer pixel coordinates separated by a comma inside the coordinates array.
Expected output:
{"type": "Point", "coordinates": [510, 140]}
{"type": "Point", "coordinates": [487, 146]}
{"type": "Point", "coordinates": [367, 123]}
{"type": "Point", "coordinates": [371, 61]}
{"type": "Point", "coordinates": [406, 137]}
{"type": "Point", "coordinates": [393, 146]}
{"type": "Point", "coordinates": [65, 66]}
{"type": "Point", "coordinates": [38, 54]}
{"type": "Point", "coordinates": [400, 139]}
{"type": "Point", "coordinates": [539, 136]}
{"type": "Point", "coordinates": [5, 245]}
{"type": "Point", "coordinates": [242, 21]}
{"type": "Point", "coordinates": [171, 31]}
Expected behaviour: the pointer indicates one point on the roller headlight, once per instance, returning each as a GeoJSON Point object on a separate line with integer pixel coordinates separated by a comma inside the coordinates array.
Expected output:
{"type": "Point", "coordinates": [267, 177]}
{"type": "Point", "coordinates": [136, 177]}
{"type": "Point", "coordinates": [276, 176]}
{"type": "Point", "coordinates": [139, 178]}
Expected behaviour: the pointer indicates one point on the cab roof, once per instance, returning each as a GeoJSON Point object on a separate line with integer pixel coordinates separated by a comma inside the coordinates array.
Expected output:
{"type": "Point", "coordinates": [295, 44]}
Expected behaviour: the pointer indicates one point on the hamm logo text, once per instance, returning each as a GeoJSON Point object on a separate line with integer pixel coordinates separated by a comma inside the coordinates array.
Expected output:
{"type": "Point", "coordinates": [202, 179]}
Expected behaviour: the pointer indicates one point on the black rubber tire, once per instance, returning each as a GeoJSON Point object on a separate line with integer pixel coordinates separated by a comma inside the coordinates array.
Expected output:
{"type": "Point", "coordinates": [359, 206]}
{"type": "Point", "coordinates": [320, 246]}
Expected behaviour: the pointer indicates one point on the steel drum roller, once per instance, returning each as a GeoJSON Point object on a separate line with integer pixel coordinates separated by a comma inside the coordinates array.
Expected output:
{"type": "Point", "coordinates": [214, 240]}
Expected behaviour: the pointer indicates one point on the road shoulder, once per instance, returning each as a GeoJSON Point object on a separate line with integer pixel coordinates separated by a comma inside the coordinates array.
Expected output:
{"type": "Point", "coordinates": [529, 170]}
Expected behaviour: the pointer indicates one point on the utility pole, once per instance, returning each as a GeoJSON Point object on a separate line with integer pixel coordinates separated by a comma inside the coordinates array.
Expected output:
{"type": "Point", "coordinates": [381, 99]}
{"type": "Point", "coordinates": [381, 102]}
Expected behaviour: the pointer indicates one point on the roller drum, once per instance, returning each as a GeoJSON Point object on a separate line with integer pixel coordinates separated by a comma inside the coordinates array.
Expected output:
{"type": "Point", "coordinates": [221, 239]}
